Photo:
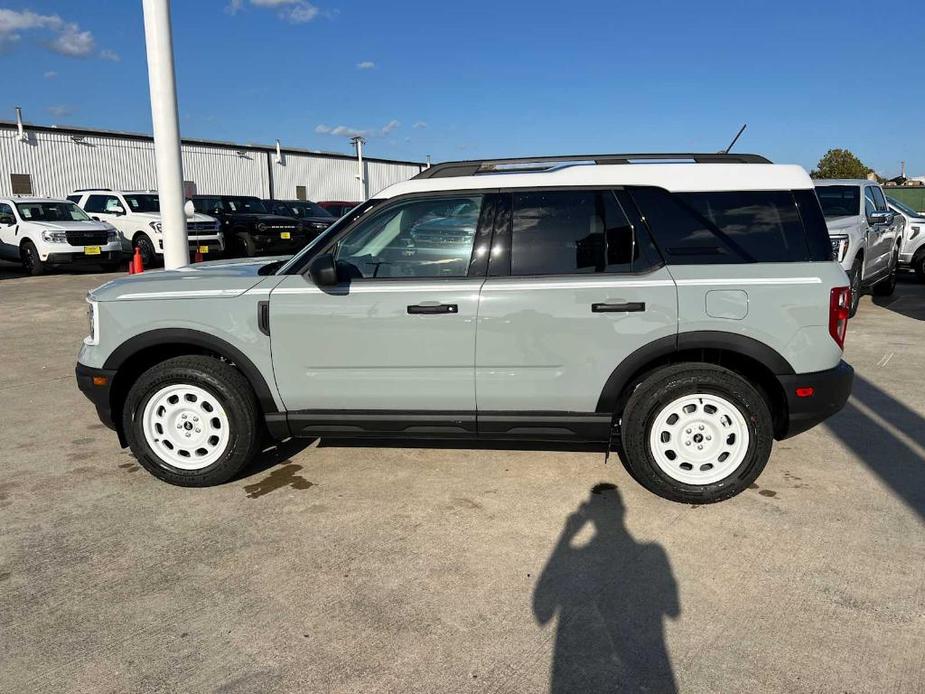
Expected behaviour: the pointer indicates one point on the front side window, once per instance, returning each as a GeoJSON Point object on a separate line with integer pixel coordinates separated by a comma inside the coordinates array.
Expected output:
{"type": "Point", "coordinates": [839, 201]}
{"type": "Point", "coordinates": [566, 232]}
{"type": "Point", "coordinates": [879, 199]}
{"type": "Point", "coordinates": [143, 203]}
{"type": "Point", "coordinates": [6, 213]}
{"type": "Point", "coordinates": [423, 238]}
{"type": "Point", "coordinates": [724, 227]}
{"type": "Point", "coordinates": [51, 212]}
{"type": "Point", "coordinates": [102, 203]}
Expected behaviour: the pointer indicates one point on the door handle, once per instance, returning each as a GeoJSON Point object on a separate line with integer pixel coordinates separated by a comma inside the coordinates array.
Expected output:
{"type": "Point", "coordinates": [433, 309]}
{"type": "Point", "coordinates": [625, 307]}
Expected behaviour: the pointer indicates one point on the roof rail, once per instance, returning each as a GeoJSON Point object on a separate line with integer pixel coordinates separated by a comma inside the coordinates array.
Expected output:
{"type": "Point", "coordinates": [88, 190]}
{"type": "Point", "coordinates": [451, 169]}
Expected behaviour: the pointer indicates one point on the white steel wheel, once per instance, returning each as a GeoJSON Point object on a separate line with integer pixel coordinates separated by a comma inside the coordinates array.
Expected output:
{"type": "Point", "coordinates": [699, 439]}
{"type": "Point", "coordinates": [186, 426]}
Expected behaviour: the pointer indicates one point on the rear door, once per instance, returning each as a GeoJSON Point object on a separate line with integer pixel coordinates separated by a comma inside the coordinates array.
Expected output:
{"type": "Point", "coordinates": [575, 286]}
{"type": "Point", "coordinates": [391, 349]}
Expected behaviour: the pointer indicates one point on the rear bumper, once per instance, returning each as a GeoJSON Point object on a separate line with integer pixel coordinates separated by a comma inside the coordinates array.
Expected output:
{"type": "Point", "coordinates": [831, 390]}
{"type": "Point", "coordinates": [97, 393]}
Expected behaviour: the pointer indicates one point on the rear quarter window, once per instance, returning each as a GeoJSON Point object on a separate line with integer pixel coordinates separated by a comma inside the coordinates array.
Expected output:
{"type": "Point", "coordinates": [725, 227]}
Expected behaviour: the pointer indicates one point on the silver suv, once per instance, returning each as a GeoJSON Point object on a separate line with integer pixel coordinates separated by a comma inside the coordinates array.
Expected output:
{"type": "Point", "coordinates": [685, 314]}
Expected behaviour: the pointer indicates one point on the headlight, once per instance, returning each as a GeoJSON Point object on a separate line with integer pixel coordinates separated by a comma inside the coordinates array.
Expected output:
{"type": "Point", "coordinates": [156, 226]}
{"type": "Point", "coordinates": [54, 236]}
{"type": "Point", "coordinates": [261, 226]}
{"type": "Point", "coordinates": [93, 317]}
{"type": "Point", "coordinates": [839, 247]}
{"type": "Point", "coordinates": [112, 237]}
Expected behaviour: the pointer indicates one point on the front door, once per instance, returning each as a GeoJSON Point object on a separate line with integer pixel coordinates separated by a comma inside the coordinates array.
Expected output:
{"type": "Point", "coordinates": [9, 236]}
{"type": "Point", "coordinates": [392, 347]}
{"type": "Point", "coordinates": [574, 287]}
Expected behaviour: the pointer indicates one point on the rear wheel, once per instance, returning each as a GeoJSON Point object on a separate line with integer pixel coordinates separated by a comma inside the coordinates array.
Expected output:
{"type": "Point", "coordinates": [696, 433]}
{"type": "Point", "coordinates": [31, 260]}
{"type": "Point", "coordinates": [854, 280]}
{"type": "Point", "coordinates": [192, 421]}
{"type": "Point", "coordinates": [887, 285]}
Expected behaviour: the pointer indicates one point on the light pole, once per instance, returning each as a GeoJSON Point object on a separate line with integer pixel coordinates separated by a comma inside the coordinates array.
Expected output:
{"type": "Point", "coordinates": [358, 141]}
{"type": "Point", "coordinates": [163, 88]}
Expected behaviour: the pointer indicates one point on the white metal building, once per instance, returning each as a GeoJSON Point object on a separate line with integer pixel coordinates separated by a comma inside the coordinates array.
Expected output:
{"type": "Point", "coordinates": [54, 161]}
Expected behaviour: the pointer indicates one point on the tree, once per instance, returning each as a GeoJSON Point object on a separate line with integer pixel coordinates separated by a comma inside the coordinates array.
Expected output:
{"type": "Point", "coordinates": [840, 163]}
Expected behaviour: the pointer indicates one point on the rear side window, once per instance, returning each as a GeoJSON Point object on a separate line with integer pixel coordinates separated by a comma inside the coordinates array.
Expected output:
{"type": "Point", "coordinates": [570, 232]}
{"type": "Point", "coordinates": [724, 227]}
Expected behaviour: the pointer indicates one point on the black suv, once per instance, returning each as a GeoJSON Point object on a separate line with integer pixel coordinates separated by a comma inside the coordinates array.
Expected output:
{"type": "Point", "coordinates": [314, 219]}
{"type": "Point", "coordinates": [250, 228]}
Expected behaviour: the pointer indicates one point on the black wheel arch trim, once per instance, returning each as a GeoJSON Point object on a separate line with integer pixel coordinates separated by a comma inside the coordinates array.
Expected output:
{"type": "Point", "coordinates": [665, 347]}
{"type": "Point", "coordinates": [196, 338]}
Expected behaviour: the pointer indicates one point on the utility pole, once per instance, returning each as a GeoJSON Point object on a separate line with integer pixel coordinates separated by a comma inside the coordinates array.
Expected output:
{"type": "Point", "coordinates": [358, 141]}
{"type": "Point", "coordinates": [163, 87]}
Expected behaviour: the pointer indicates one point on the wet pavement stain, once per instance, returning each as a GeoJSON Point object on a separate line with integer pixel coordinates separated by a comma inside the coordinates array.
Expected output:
{"type": "Point", "coordinates": [130, 467]}
{"type": "Point", "coordinates": [83, 441]}
{"type": "Point", "coordinates": [4, 575]}
{"type": "Point", "coordinates": [75, 457]}
{"type": "Point", "coordinates": [767, 492]}
{"type": "Point", "coordinates": [282, 477]}
{"type": "Point", "coordinates": [753, 486]}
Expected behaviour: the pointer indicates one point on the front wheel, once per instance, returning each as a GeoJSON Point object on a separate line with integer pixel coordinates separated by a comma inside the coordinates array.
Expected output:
{"type": "Point", "coordinates": [696, 433]}
{"type": "Point", "coordinates": [192, 421]}
{"type": "Point", "coordinates": [244, 245]}
{"type": "Point", "coordinates": [854, 280]}
{"type": "Point", "coordinates": [145, 246]}
{"type": "Point", "coordinates": [31, 260]}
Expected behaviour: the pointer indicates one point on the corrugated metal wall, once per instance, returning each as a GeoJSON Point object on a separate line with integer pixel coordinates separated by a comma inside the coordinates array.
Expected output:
{"type": "Point", "coordinates": [58, 165]}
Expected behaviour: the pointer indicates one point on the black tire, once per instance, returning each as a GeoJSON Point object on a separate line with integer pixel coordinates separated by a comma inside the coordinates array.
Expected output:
{"type": "Point", "coordinates": [146, 246]}
{"type": "Point", "coordinates": [30, 259]}
{"type": "Point", "coordinates": [854, 281]}
{"type": "Point", "coordinates": [918, 264]}
{"type": "Point", "coordinates": [887, 285]}
{"type": "Point", "coordinates": [244, 246]}
{"type": "Point", "coordinates": [663, 387]}
{"type": "Point", "coordinates": [220, 380]}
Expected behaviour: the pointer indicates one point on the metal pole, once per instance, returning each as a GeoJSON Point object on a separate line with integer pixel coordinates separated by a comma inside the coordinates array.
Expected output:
{"type": "Point", "coordinates": [358, 142]}
{"type": "Point", "coordinates": [166, 131]}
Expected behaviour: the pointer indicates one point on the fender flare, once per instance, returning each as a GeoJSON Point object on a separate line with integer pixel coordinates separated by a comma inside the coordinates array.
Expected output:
{"type": "Point", "coordinates": [665, 347]}
{"type": "Point", "coordinates": [196, 338]}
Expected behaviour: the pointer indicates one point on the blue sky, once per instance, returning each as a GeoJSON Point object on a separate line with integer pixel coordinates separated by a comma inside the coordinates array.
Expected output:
{"type": "Point", "coordinates": [468, 79]}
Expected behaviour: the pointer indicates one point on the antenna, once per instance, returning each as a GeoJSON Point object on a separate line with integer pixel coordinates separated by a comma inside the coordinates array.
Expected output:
{"type": "Point", "coordinates": [735, 139]}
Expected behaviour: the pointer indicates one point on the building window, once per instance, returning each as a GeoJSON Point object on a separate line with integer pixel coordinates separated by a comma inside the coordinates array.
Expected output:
{"type": "Point", "coordinates": [301, 193]}
{"type": "Point", "coordinates": [21, 184]}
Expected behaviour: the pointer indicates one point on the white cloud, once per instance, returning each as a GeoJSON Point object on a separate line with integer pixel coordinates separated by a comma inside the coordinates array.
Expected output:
{"type": "Point", "coordinates": [345, 131]}
{"type": "Point", "coordinates": [50, 75]}
{"type": "Point", "coordinates": [293, 11]}
{"type": "Point", "coordinates": [366, 65]}
{"type": "Point", "coordinates": [107, 54]}
{"type": "Point", "coordinates": [420, 124]}
{"type": "Point", "coordinates": [67, 37]}
{"type": "Point", "coordinates": [60, 111]}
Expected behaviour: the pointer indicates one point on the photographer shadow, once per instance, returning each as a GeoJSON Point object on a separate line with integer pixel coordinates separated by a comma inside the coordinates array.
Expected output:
{"type": "Point", "coordinates": [611, 595]}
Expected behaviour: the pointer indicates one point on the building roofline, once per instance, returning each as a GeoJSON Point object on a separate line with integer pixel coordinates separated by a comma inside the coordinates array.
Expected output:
{"type": "Point", "coordinates": [271, 149]}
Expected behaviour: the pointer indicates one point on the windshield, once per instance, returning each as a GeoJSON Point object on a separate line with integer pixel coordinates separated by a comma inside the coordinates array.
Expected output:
{"type": "Point", "coordinates": [242, 204]}
{"type": "Point", "coordinates": [143, 203]}
{"type": "Point", "coordinates": [300, 210]}
{"type": "Point", "coordinates": [839, 201]}
{"type": "Point", "coordinates": [904, 208]}
{"type": "Point", "coordinates": [51, 212]}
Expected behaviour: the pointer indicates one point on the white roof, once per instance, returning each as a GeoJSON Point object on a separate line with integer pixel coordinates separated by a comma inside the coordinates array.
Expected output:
{"type": "Point", "coordinates": [672, 177]}
{"type": "Point", "coordinates": [17, 199]}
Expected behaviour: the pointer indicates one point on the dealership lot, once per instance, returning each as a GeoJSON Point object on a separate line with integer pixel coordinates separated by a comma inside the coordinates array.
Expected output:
{"type": "Point", "coordinates": [393, 569]}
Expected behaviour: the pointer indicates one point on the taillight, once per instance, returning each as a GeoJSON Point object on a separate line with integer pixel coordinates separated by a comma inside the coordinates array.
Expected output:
{"type": "Point", "coordinates": [839, 306]}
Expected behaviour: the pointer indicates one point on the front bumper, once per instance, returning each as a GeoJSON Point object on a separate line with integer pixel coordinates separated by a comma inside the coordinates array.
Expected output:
{"type": "Point", "coordinates": [831, 390]}
{"type": "Point", "coordinates": [78, 257]}
{"type": "Point", "coordinates": [96, 384]}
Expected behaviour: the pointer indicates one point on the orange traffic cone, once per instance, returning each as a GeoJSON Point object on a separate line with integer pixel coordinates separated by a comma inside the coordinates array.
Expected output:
{"type": "Point", "coordinates": [131, 266]}
{"type": "Point", "coordinates": [197, 257]}
{"type": "Point", "coordinates": [138, 265]}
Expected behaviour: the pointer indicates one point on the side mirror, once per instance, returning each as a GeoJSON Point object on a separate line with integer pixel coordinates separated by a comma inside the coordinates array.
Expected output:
{"type": "Point", "coordinates": [879, 217]}
{"type": "Point", "coordinates": [323, 270]}
{"type": "Point", "coordinates": [118, 211]}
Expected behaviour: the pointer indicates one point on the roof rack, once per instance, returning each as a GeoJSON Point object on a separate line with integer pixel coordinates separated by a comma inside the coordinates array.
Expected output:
{"type": "Point", "coordinates": [452, 169]}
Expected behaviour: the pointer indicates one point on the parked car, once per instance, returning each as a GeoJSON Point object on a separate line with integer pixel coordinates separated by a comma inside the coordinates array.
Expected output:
{"type": "Point", "coordinates": [687, 314]}
{"type": "Point", "coordinates": [314, 219]}
{"type": "Point", "coordinates": [337, 208]}
{"type": "Point", "coordinates": [912, 252]}
{"type": "Point", "coordinates": [45, 232]}
{"type": "Point", "coordinates": [866, 236]}
{"type": "Point", "coordinates": [138, 216]}
{"type": "Point", "coordinates": [250, 227]}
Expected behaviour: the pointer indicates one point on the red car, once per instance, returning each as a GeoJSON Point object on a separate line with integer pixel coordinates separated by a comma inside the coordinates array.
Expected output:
{"type": "Point", "coordinates": [337, 208]}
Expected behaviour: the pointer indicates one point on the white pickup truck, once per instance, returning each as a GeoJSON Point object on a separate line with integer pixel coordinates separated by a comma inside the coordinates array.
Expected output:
{"type": "Point", "coordinates": [44, 232]}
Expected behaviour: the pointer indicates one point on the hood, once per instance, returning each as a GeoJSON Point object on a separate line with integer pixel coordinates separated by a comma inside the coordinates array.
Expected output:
{"type": "Point", "coordinates": [72, 226]}
{"type": "Point", "coordinates": [215, 279]}
{"type": "Point", "coordinates": [265, 218]}
{"type": "Point", "coordinates": [841, 225]}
